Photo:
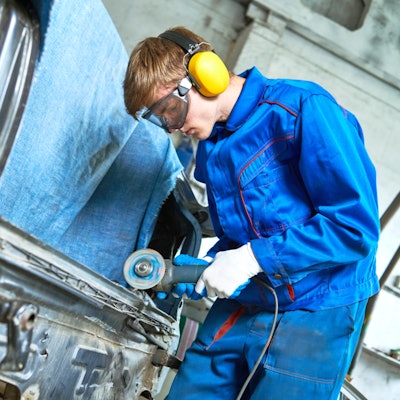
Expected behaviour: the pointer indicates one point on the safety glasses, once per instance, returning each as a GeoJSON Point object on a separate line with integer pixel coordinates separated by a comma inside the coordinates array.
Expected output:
{"type": "Point", "coordinates": [170, 112]}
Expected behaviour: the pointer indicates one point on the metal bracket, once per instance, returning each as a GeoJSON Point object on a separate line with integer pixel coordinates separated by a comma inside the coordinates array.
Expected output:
{"type": "Point", "coordinates": [163, 359]}
{"type": "Point", "coordinates": [20, 319]}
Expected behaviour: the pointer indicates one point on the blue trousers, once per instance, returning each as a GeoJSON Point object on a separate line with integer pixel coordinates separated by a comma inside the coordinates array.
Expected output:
{"type": "Point", "coordinates": [307, 359]}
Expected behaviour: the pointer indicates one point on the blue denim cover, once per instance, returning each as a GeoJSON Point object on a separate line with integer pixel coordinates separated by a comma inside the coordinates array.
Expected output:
{"type": "Point", "coordinates": [83, 175]}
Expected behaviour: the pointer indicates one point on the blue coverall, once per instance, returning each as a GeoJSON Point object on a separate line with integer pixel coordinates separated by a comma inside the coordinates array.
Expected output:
{"type": "Point", "coordinates": [288, 172]}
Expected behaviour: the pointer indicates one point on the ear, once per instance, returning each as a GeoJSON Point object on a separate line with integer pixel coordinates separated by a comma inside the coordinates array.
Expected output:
{"type": "Point", "coordinates": [208, 73]}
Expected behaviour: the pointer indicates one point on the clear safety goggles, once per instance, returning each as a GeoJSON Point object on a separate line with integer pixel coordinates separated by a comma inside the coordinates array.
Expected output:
{"type": "Point", "coordinates": [170, 112]}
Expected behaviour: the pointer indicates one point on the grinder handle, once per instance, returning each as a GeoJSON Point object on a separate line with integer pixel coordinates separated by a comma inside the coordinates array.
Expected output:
{"type": "Point", "coordinates": [179, 274]}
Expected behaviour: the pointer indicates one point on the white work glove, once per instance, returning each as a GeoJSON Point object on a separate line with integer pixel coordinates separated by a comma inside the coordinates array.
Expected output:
{"type": "Point", "coordinates": [229, 273]}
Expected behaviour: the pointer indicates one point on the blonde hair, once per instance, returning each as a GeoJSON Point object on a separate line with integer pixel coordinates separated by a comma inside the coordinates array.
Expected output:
{"type": "Point", "coordinates": [155, 62]}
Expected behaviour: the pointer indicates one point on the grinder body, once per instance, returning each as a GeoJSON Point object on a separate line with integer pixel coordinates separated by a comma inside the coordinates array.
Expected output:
{"type": "Point", "coordinates": [147, 269]}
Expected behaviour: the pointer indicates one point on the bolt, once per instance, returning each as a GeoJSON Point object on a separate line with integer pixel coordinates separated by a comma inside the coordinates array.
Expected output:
{"type": "Point", "coordinates": [143, 268]}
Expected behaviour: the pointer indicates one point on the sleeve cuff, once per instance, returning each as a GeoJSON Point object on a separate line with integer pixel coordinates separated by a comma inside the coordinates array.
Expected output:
{"type": "Point", "coordinates": [269, 262]}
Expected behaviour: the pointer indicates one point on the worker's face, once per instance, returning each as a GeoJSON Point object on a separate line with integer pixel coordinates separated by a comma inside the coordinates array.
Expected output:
{"type": "Point", "coordinates": [201, 117]}
{"type": "Point", "coordinates": [187, 111]}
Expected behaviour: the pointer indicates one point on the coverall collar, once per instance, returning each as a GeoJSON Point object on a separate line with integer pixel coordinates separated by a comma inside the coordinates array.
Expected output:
{"type": "Point", "coordinates": [249, 97]}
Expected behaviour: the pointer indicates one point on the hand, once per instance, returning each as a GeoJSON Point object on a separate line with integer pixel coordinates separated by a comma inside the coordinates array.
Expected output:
{"type": "Point", "coordinates": [229, 273]}
{"type": "Point", "coordinates": [185, 289]}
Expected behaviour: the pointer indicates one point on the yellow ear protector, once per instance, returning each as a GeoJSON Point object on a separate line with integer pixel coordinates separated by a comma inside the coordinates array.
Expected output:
{"type": "Point", "coordinates": [206, 70]}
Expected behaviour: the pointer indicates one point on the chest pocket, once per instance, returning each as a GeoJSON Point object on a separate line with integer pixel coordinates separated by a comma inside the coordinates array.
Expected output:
{"type": "Point", "coordinates": [272, 192]}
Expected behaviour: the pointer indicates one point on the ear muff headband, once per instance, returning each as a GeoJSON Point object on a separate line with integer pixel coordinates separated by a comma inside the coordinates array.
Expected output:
{"type": "Point", "coordinates": [206, 70]}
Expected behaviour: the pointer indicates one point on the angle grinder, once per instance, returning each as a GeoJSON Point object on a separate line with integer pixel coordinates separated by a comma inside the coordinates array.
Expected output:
{"type": "Point", "coordinates": [147, 269]}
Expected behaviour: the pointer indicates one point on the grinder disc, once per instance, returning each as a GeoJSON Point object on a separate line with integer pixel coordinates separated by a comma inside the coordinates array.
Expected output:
{"type": "Point", "coordinates": [144, 269]}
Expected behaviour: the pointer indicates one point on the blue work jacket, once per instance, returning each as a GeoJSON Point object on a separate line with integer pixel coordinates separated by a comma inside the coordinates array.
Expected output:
{"type": "Point", "coordinates": [289, 173]}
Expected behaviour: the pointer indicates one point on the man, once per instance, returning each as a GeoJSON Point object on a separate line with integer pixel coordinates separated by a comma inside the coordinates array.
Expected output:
{"type": "Point", "coordinates": [292, 196]}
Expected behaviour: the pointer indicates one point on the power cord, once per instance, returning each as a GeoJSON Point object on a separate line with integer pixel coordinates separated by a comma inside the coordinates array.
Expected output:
{"type": "Point", "coordinates": [268, 342]}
